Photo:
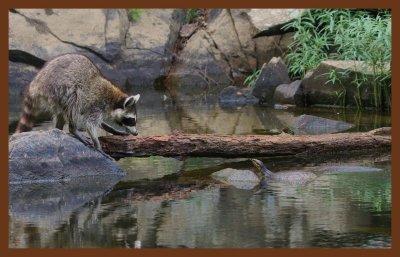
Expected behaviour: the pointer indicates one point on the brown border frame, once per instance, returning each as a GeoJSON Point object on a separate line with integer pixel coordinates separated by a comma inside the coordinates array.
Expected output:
{"type": "Point", "coordinates": [7, 4]}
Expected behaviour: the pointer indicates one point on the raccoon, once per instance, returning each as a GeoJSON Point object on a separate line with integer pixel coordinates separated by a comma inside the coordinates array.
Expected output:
{"type": "Point", "coordinates": [72, 89]}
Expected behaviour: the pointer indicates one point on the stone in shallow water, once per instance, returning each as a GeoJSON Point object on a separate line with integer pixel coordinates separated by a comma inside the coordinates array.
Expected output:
{"type": "Point", "coordinates": [349, 168]}
{"type": "Point", "coordinates": [234, 96]}
{"type": "Point", "coordinates": [53, 155]}
{"type": "Point", "coordinates": [242, 179]}
{"type": "Point", "coordinates": [272, 75]}
{"type": "Point", "coordinates": [313, 125]}
{"type": "Point", "coordinates": [289, 94]}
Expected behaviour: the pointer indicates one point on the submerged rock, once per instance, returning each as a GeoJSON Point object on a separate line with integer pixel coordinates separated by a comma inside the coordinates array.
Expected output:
{"type": "Point", "coordinates": [234, 96]}
{"type": "Point", "coordinates": [272, 75]}
{"type": "Point", "coordinates": [293, 177]}
{"type": "Point", "coordinates": [348, 169]}
{"type": "Point", "coordinates": [53, 155]}
{"type": "Point", "coordinates": [242, 179]}
{"type": "Point", "coordinates": [313, 125]}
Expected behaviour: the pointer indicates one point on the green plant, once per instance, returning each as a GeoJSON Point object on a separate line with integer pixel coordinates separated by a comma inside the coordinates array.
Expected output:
{"type": "Point", "coordinates": [345, 34]}
{"type": "Point", "coordinates": [191, 15]}
{"type": "Point", "coordinates": [134, 14]}
{"type": "Point", "coordinates": [252, 78]}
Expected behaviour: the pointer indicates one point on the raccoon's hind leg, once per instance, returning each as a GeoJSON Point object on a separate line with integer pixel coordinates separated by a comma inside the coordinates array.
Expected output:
{"type": "Point", "coordinates": [59, 121]}
{"type": "Point", "coordinates": [74, 131]}
{"type": "Point", "coordinates": [25, 122]}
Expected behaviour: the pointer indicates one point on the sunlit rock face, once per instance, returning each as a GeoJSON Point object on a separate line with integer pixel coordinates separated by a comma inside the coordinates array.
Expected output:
{"type": "Point", "coordinates": [152, 50]}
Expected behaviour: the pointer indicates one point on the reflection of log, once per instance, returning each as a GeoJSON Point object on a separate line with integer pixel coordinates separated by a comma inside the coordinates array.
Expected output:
{"type": "Point", "coordinates": [246, 146]}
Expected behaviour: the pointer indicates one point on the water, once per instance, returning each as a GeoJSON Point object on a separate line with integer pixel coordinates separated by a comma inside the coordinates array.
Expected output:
{"type": "Point", "coordinates": [168, 202]}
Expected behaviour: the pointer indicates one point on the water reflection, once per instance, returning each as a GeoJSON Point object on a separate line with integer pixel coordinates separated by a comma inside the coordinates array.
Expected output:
{"type": "Point", "coordinates": [162, 120]}
{"type": "Point", "coordinates": [246, 120]}
{"type": "Point", "coordinates": [344, 209]}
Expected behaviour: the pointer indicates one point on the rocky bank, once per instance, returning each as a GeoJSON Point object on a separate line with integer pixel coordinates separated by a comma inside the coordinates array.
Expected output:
{"type": "Point", "coordinates": [159, 50]}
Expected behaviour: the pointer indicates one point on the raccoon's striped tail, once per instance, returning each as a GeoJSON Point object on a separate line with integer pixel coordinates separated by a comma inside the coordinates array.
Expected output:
{"type": "Point", "coordinates": [26, 121]}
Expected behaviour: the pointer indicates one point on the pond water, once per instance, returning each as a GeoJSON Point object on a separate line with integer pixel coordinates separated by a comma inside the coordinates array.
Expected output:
{"type": "Point", "coordinates": [173, 202]}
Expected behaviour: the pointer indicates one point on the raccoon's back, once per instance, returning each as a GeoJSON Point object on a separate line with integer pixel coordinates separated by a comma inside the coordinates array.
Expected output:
{"type": "Point", "coordinates": [65, 75]}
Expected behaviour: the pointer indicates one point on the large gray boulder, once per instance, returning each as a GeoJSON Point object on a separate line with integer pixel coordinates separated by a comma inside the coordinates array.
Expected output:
{"type": "Point", "coordinates": [320, 90]}
{"type": "Point", "coordinates": [289, 94]}
{"type": "Point", "coordinates": [63, 30]}
{"type": "Point", "coordinates": [132, 54]}
{"type": "Point", "coordinates": [273, 74]}
{"type": "Point", "coordinates": [51, 156]}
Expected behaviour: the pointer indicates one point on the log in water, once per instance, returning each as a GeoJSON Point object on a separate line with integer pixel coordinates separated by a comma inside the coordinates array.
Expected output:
{"type": "Point", "coordinates": [208, 145]}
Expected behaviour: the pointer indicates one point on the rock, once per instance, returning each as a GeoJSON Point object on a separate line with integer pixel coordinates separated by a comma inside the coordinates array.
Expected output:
{"type": "Point", "coordinates": [318, 89]}
{"type": "Point", "coordinates": [313, 125]}
{"type": "Point", "coordinates": [187, 30]}
{"type": "Point", "coordinates": [52, 156]}
{"type": "Point", "coordinates": [272, 74]}
{"type": "Point", "coordinates": [234, 96]}
{"type": "Point", "coordinates": [201, 70]}
{"type": "Point", "coordinates": [272, 46]}
{"type": "Point", "coordinates": [245, 31]}
{"type": "Point", "coordinates": [33, 37]}
{"type": "Point", "coordinates": [221, 29]}
{"type": "Point", "coordinates": [99, 30]}
{"type": "Point", "coordinates": [272, 20]}
{"type": "Point", "coordinates": [149, 46]}
{"type": "Point", "coordinates": [32, 29]}
{"type": "Point", "coordinates": [289, 94]}
{"type": "Point", "coordinates": [242, 179]}
{"type": "Point", "coordinates": [131, 54]}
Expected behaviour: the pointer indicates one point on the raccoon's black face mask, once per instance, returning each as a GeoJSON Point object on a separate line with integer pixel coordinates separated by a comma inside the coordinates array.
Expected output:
{"type": "Point", "coordinates": [126, 116]}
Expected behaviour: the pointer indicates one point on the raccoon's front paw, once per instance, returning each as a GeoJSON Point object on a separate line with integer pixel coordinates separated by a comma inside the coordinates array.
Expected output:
{"type": "Point", "coordinates": [85, 140]}
{"type": "Point", "coordinates": [105, 155]}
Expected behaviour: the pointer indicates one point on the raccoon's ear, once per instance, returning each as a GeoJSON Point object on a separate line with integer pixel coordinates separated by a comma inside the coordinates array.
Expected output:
{"type": "Point", "coordinates": [129, 101]}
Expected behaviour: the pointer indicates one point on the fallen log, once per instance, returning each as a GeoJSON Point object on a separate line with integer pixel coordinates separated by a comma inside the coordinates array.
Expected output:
{"type": "Point", "coordinates": [208, 145]}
